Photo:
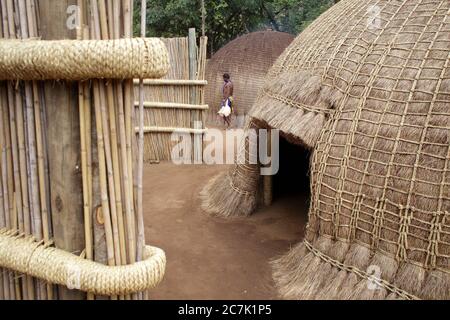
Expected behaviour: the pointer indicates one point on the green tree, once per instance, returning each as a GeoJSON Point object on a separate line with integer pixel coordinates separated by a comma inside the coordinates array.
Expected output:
{"type": "Point", "coordinates": [294, 16]}
{"type": "Point", "coordinates": [227, 19]}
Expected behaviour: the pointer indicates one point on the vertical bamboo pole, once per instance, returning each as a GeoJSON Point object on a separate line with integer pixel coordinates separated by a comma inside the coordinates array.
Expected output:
{"type": "Point", "coordinates": [129, 136]}
{"type": "Point", "coordinates": [125, 178]}
{"type": "Point", "coordinates": [9, 166]}
{"type": "Point", "coordinates": [4, 18]}
{"type": "Point", "coordinates": [84, 171]}
{"type": "Point", "coordinates": [102, 232]}
{"type": "Point", "coordinates": [117, 124]}
{"type": "Point", "coordinates": [87, 121]}
{"type": "Point", "coordinates": [26, 23]}
{"type": "Point", "coordinates": [84, 112]}
{"type": "Point", "coordinates": [2, 199]}
{"type": "Point", "coordinates": [44, 203]}
{"type": "Point", "coordinates": [29, 293]}
{"type": "Point", "coordinates": [42, 186]}
{"type": "Point", "coordinates": [112, 108]}
{"type": "Point", "coordinates": [140, 214]}
{"type": "Point", "coordinates": [102, 174]}
{"type": "Point", "coordinates": [99, 28]}
{"type": "Point", "coordinates": [6, 152]}
{"type": "Point", "coordinates": [16, 169]}
{"type": "Point", "coordinates": [31, 13]}
{"type": "Point", "coordinates": [195, 115]}
{"type": "Point", "coordinates": [116, 19]}
{"type": "Point", "coordinates": [13, 19]}
{"type": "Point", "coordinates": [110, 13]}
{"type": "Point", "coordinates": [43, 125]}
{"type": "Point", "coordinates": [9, 30]}
{"type": "Point", "coordinates": [107, 101]}
{"type": "Point", "coordinates": [29, 29]}
{"type": "Point", "coordinates": [3, 276]}
{"type": "Point", "coordinates": [85, 134]}
{"type": "Point", "coordinates": [110, 175]}
{"type": "Point", "coordinates": [10, 17]}
{"type": "Point", "coordinates": [88, 167]}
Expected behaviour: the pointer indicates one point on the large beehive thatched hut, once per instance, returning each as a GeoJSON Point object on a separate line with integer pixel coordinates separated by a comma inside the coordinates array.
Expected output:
{"type": "Point", "coordinates": [247, 59]}
{"type": "Point", "coordinates": [367, 88]}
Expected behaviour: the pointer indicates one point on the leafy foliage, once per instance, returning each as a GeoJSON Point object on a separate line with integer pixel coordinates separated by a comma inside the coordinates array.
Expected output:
{"type": "Point", "coordinates": [227, 19]}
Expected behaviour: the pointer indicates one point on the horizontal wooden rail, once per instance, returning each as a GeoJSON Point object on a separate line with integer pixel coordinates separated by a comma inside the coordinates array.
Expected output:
{"type": "Point", "coordinates": [172, 130]}
{"type": "Point", "coordinates": [170, 82]}
{"type": "Point", "coordinates": [170, 105]}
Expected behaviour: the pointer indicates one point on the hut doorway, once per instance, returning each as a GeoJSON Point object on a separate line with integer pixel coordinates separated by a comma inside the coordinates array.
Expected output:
{"type": "Point", "coordinates": [291, 185]}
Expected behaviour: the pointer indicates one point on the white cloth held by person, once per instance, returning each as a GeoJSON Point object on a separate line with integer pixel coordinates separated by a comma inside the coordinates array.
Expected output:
{"type": "Point", "coordinates": [225, 111]}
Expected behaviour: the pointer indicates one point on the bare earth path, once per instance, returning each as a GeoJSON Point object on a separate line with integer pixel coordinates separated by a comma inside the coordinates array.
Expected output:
{"type": "Point", "coordinates": [210, 258]}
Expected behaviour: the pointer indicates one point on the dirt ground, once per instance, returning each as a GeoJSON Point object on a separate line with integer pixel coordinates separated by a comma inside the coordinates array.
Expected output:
{"type": "Point", "coordinates": [211, 258]}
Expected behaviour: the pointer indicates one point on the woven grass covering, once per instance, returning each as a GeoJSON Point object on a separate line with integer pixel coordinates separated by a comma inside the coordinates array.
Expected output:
{"type": "Point", "coordinates": [247, 59]}
{"type": "Point", "coordinates": [370, 95]}
{"type": "Point", "coordinates": [60, 267]}
{"type": "Point", "coordinates": [79, 60]}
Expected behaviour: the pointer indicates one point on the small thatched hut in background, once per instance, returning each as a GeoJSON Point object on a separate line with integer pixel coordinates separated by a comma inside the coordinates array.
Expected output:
{"type": "Point", "coordinates": [367, 89]}
{"type": "Point", "coordinates": [247, 59]}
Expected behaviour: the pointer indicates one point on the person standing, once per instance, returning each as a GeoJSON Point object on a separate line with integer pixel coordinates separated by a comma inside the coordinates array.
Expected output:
{"type": "Point", "coordinates": [226, 109]}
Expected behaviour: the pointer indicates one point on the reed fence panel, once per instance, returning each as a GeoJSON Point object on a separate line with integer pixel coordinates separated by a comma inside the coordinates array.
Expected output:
{"type": "Point", "coordinates": [176, 104]}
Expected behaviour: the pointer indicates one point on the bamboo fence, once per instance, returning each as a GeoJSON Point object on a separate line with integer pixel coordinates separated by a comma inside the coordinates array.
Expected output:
{"type": "Point", "coordinates": [176, 103]}
{"type": "Point", "coordinates": [113, 221]}
{"type": "Point", "coordinates": [24, 186]}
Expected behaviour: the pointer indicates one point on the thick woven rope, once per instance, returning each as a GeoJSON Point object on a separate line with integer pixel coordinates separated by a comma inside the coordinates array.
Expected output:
{"type": "Point", "coordinates": [83, 59]}
{"type": "Point", "coordinates": [56, 266]}
{"type": "Point", "coordinates": [367, 88]}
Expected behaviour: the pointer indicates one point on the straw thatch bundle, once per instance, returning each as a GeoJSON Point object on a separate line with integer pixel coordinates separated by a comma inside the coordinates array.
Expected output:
{"type": "Point", "coordinates": [247, 59]}
{"type": "Point", "coordinates": [367, 89]}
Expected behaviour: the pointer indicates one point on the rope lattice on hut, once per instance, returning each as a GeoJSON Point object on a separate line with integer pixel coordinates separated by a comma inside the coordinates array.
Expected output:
{"type": "Point", "coordinates": [83, 59]}
{"type": "Point", "coordinates": [57, 266]}
{"type": "Point", "coordinates": [371, 99]}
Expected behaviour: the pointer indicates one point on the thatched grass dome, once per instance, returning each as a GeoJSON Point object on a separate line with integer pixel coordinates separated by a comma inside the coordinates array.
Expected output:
{"type": "Point", "coordinates": [367, 89]}
{"type": "Point", "coordinates": [247, 59]}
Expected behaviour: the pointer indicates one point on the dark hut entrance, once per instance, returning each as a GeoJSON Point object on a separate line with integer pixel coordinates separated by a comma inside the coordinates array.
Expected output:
{"type": "Point", "coordinates": [290, 187]}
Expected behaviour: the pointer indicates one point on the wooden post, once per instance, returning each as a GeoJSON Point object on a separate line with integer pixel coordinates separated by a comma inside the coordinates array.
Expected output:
{"type": "Point", "coordinates": [193, 61]}
{"type": "Point", "coordinates": [61, 100]}
{"type": "Point", "coordinates": [268, 180]}
{"type": "Point", "coordinates": [203, 18]}
{"type": "Point", "coordinates": [195, 114]}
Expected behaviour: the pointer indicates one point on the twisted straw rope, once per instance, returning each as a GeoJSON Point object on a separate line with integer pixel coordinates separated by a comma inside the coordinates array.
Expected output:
{"type": "Point", "coordinates": [85, 59]}
{"type": "Point", "coordinates": [56, 266]}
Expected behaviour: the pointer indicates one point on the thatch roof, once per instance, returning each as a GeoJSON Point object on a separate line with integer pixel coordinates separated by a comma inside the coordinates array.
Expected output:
{"type": "Point", "coordinates": [247, 59]}
{"type": "Point", "coordinates": [371, 99]}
